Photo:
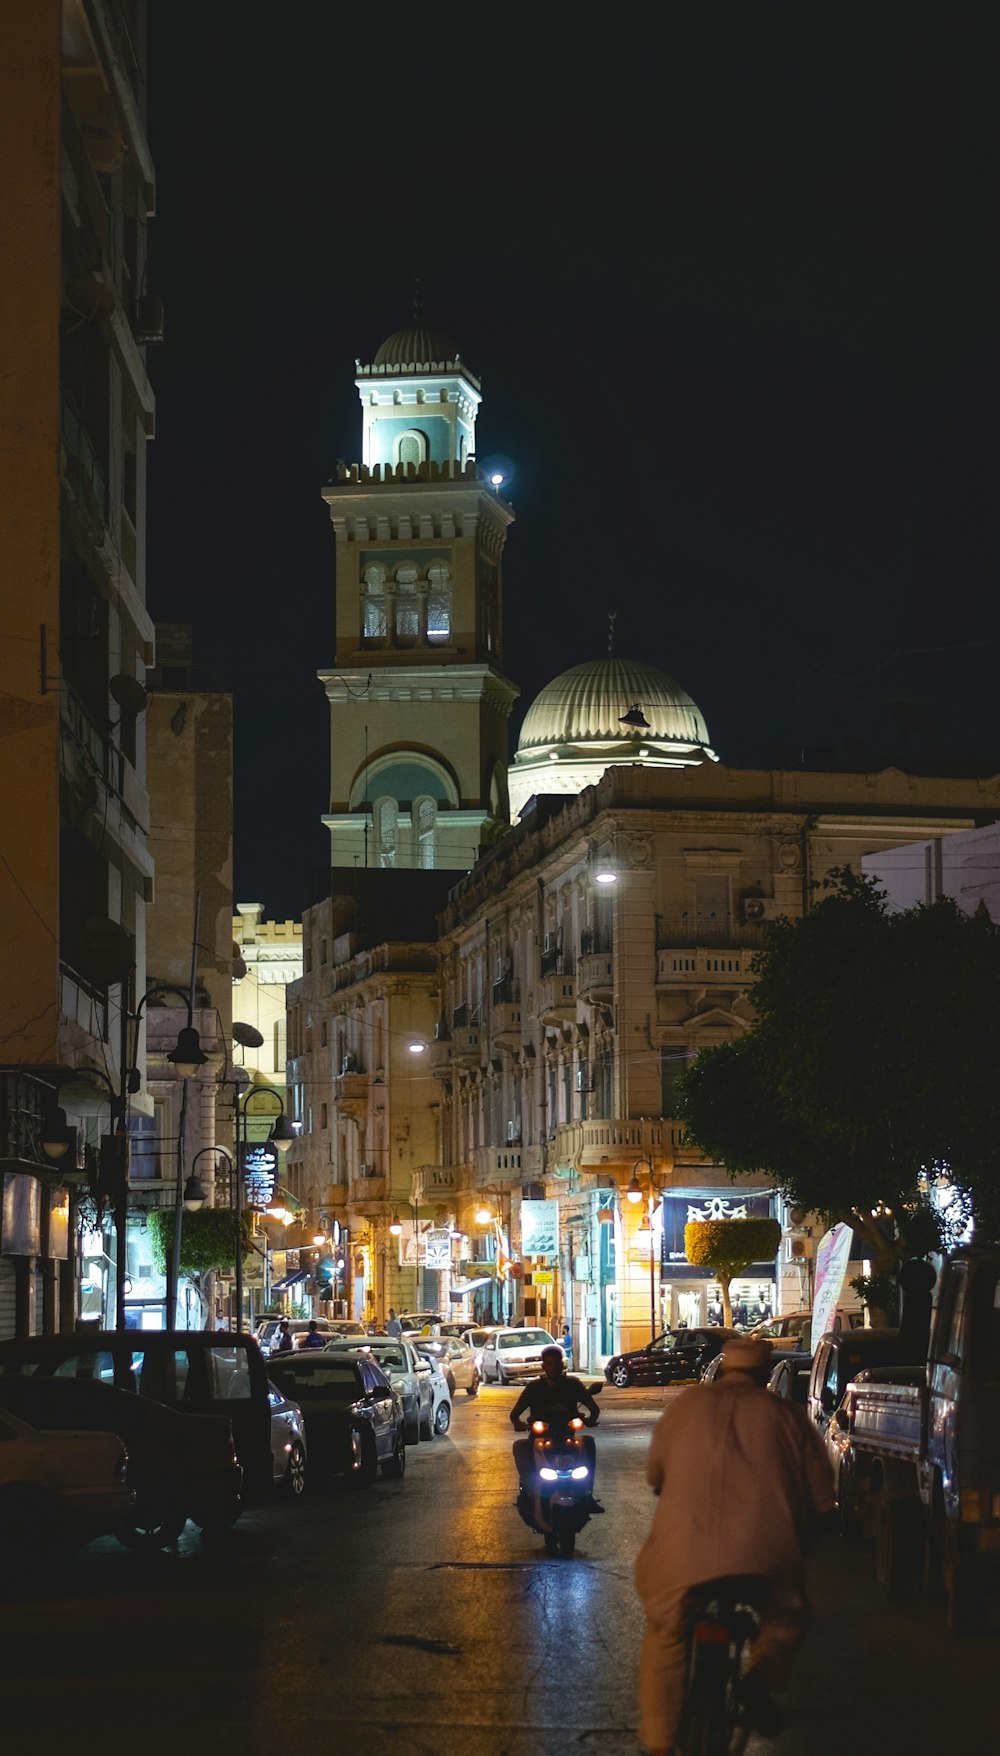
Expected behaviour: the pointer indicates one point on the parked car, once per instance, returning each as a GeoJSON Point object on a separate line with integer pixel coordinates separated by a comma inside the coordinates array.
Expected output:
{"type": "Point", "coordinates": [347, 1326]}
{"type": "Point", "coordinates": [793, 1330]}
{"type": "Point", "coordinates": [355, 1418]}
{"type": "Point", "coordinates": [408, 1372]}
{"type": "Point", "coordinates": [457, 1360]}
{"type": "Point", "coordinates": [514, 1353]}
{"type": "Point", "coordinates": [790, 1377]}
{"type": "Point", "coordinates": [416, 1322]}
{"type": "Point", "coordinates": [683, 1353]}
{"type": "Point", "coordinates": [181, 1465]}
{"type": "Point", "coordinates": [57, 1491]}
{"type": "Point", "coordinates": [205, 1372]}
{"type": "Point", "coordinates": [477, 1337]}
{"type": "Point", "coordinates": [440, 1399]}
{"type": "Point", "coordinates": [288, 1443]}
{"type": "Point", "coordinates": [712, 1370]}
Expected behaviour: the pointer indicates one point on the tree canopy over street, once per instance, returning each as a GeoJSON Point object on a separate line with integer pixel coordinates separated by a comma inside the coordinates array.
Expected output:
{"type": "Point", "coordinates": [870, 1073]}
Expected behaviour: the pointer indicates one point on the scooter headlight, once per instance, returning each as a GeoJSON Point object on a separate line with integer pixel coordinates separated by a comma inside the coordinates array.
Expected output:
{"type": "Point", "coordinates": [580, 1471]}
{"type": "Point", "coordinates": [549, 1475]}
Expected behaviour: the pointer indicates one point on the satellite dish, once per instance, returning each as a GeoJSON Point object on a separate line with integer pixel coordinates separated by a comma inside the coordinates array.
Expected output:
{"type": "Point", "coordinates": [110, 950]}
{"type": "Point", "coordinates": [129, 694]}
{"type": "Point", "coordinates": [247, 1036]}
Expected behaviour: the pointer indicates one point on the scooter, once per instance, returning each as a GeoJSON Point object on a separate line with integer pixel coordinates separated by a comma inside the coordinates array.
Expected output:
{"type": "Point", "coordinates": [557, 1500]}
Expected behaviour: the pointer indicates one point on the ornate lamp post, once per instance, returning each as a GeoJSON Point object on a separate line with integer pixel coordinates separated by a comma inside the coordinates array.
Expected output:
{"type": "Point", "coordinates": [634, 1193]}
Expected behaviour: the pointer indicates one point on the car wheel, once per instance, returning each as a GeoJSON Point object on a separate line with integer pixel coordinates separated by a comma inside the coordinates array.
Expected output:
{"type": "Point", "coordinates": [395, 1466]}
{"type": "Point", "coordinates": [502, 1377]}
{"type": "Point", "coordinates": [450, 1381]}
{"type": "Point", "coordinates": [472, 1388]}
{"type": "Point", "coordinates": [442, 1419]}
{"type": "Point", "coordinates": [152, 1527]}
{"type": "Point", "coordinates": [293, 1482]}
{"type": "Point", "coordinates": [621, 1375]}
{"type": "Point", "coordinates": [427, 1424]}
{"type": "Point", "coordinates": [366, 1464]}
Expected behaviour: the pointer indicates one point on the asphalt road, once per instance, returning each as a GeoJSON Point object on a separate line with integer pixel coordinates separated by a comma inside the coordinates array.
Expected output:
{"type": "Point", "coordinates": [423, 1617]}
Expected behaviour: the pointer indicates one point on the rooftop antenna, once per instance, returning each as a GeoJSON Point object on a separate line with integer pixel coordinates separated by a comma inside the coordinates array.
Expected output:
{"type": "Point", "coordinates": [612, 615]}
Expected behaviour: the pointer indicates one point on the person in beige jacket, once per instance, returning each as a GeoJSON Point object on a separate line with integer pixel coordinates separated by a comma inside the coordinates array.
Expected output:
{"type": "Point", "coordinates": [742, 1478]}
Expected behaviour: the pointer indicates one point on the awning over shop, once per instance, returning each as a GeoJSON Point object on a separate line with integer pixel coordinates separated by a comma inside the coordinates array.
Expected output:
{"type": "Point", "coordinates": [456, 1294]}
{"type": "Point", "coordinates": [289, 1280]}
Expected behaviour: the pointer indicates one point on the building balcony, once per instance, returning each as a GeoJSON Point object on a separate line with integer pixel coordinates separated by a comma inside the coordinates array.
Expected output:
{"type": "Point", "coordinates": [350, 1095]}
{"type": "Point", "coordinates": [465, 1039]}
{"type": "Point", "coordinates": [441, 1058]}
{"type": "Point", "coordinates": [595, 978]}
{"type": "Point", "coordinates": [505, 1024]}
{"type": "Point", "coordinates": [367, 1190]}
{"type": "Point", "coordinates": [496, 1165]}
{"type": "Point", "coordinates": [615, 1144]}
{"type": "Point", "coordinates": [336, 1195]}
{"type": "Point", "coordinates": [687, 966]}
{"type": "Point", "coordinates": [439, 1182]}
{"type": "Point", "coordinates": [556, 998]}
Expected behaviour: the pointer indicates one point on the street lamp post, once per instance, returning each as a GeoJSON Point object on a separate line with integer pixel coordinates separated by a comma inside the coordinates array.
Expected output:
{"type": "Point", "coordinates": [634, 1193]}
{"type": "Point", "coordinates": [281, 1136]}
{"type": "Point", "coordinates": [188, 1199]}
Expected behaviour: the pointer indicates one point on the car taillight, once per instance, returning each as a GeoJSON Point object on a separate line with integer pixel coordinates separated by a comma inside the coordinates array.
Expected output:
{"type": "Point", "coordinates": [121, 1467]}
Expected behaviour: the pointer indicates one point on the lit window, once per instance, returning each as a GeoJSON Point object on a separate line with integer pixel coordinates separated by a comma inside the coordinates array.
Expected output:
{"type": "Point", "coordinates": [424, 827]}
{"type": "Point", "coordinates": [438, 605]}
{"type": "Point", "coordinates": [407, 606]}
{"type": "Point", "coordinates": [410, 447]}
{"type": "Point", "coordinates": [375, 610]}
{"type": "Point", "coordinates": [386, 816]}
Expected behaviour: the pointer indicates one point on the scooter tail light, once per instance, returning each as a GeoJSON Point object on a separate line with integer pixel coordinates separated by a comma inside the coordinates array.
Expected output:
{"type": "Point", "coordinates": [576, 1424]}
{"type": "Point", "coordinates": [539, 1426]}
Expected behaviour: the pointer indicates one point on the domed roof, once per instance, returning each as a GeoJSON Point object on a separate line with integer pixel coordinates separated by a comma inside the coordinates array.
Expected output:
{"type": "Point", "coordinates": [585, 706]}
{"type": "Point", "coordinates": [415, 347]}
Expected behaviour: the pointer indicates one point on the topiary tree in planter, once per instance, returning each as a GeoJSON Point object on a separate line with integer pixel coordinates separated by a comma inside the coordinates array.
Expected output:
{"type": "Point", "coordinates": [208, 1242]}
{"type": "Point", "coordinates": [727, 1247]}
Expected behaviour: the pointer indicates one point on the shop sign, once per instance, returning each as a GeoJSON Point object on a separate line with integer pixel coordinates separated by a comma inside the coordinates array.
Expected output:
{"type": "Point", "coordinates": [542, 1277]}
{"type": "Point", "coordinates": [260, 1174]}
{"type": "Point", "coordinates": [539, 1228]}
{"type": "Point", "coordinates": [675, 1212]}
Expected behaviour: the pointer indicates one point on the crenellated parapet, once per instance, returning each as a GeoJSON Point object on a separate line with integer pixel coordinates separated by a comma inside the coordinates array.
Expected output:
{"type": "Point", "coordinates": [450, 470]}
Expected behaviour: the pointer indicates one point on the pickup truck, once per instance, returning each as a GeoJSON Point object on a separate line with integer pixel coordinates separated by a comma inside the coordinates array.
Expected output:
{"type": "Point", "coordinates": [926, 1450]}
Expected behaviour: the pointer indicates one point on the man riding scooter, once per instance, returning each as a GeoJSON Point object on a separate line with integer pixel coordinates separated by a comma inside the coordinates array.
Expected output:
{"type": "Point", "coordinates": [555, 1397]}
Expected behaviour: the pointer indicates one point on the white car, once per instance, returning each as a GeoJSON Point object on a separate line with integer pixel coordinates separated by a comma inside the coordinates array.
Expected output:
{"type": "Point", "coordinates": [456, 1359]}
{"type": "Point", "coordinates": [58, 1489]}
{"type": "Point", "coordinates": [476, 1339]}
{"type": "Point", "coordinates": [515, 1353]}
{"type": "Point", "coordinates": [298, 1329]}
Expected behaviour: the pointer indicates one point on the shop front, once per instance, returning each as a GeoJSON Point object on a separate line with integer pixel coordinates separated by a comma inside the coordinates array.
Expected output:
{"type": "Point", "coordinates": [691, 1297]}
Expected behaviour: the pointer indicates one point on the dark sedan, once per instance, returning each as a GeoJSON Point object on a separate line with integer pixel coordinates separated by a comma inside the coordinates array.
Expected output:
{"type": "Point", "coordinates": [180, 1465]}
{"type": "Point", "coordinates": [790, 1377]}
{"type": "Point", "coordinates": [679, 1354]}
{"type": "Point", "coordinates": [353, 1416]}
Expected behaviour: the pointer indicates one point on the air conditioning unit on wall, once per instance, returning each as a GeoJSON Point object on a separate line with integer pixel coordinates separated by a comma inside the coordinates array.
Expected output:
{"type": "Point", "coordinates": [799, 1248]}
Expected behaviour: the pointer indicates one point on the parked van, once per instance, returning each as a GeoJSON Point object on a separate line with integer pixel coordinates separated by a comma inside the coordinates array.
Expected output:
{"type": "Point", "coordinates": [208, 1373]}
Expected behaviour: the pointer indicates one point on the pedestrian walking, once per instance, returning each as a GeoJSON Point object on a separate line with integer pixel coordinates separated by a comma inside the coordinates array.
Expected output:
{"type": "Point", "coordinates": [393, 1327]}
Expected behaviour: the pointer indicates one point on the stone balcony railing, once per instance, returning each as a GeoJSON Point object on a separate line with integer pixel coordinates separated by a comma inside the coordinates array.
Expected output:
{"type": "Point", "coordinates": [689, 965]}
{"type": "Point", "coordinates": [557, 997]}
{"type": "Point", "coordinates": [439, 1182]}
{"type": "Point", "coordinates": [595, 977]}
{"type": "Point", "coordinates": [367, 1191]}
{"type": "Point", "coordinates": [350, 1094]}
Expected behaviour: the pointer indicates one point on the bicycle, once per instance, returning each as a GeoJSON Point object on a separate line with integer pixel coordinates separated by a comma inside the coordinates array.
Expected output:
{"type": "Point", "coordinates": [723, 1620]}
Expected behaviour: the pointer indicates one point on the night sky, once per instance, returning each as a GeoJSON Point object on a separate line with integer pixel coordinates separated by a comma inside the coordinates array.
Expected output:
{"type": "Point", "coordinates": [733, 298]}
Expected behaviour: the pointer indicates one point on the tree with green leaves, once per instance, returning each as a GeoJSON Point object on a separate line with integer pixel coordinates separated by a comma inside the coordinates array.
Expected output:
{"type": "Point", "coordinates": [208, 1242]}
{"type": "Point", "coordinates": [727, 1247]}
{"type": "Point", "coordinates": [870, 1073]}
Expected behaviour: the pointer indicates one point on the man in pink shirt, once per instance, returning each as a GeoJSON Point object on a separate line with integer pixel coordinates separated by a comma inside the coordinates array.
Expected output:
{"type": "Point", "coordinates": [742, 1478]}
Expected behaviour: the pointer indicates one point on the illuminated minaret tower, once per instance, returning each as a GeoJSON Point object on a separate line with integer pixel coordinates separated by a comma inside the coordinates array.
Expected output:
{"type": "Point", "coordinates": [418, 754]}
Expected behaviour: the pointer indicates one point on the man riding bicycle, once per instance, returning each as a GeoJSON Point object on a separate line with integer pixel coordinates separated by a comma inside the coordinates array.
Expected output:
{"type": "Point", "coordinates": [742, 1477]}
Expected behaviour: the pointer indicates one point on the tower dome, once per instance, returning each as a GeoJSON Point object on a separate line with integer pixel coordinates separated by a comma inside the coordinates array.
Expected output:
{"type": "Point", "coordinates": [607, 711]}
{"type": "Point", "coordinates": [416, 347]}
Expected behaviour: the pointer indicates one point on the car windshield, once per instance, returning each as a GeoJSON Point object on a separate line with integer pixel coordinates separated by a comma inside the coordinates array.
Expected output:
{"type": "Point", "coordinates": [526, 1338]}
{"type": "Point", "coordinates": [389, 1356]}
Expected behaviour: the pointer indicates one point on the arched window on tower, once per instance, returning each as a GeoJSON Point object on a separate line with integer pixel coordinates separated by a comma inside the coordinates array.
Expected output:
{"type": "Point", "coordinates": [386, 821]}
{"type": "Point", "coordinates": [410, 447]}
{"type": "Point", "coordinates": [424, 832]}
{"type": "Point", "coordinates": [438, 606]}
{"type": "Point", "coordinates": [375, 607]}
{"type": "Point", "coordinates": [407, 606]}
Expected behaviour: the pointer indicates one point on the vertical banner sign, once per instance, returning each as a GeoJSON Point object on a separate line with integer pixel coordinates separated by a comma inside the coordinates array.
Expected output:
{"type": "Point", "coordinates": [832, 1257]}
{"type": "Point", "coordinates": [260, 1174]}
{"type": "Point", "coordinates": [539, 1228]}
